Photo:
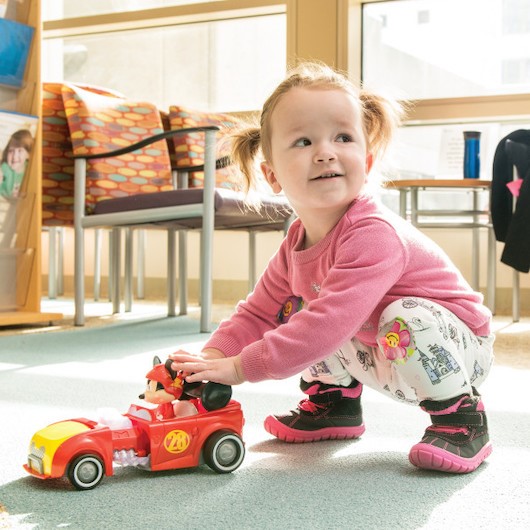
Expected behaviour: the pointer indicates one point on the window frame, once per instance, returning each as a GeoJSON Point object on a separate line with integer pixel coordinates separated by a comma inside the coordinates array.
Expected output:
{"type": "Point", "coordinates": [161, 17]}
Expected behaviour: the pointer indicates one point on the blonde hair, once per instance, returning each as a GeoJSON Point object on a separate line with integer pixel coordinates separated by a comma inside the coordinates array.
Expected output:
{"type": "Point", "coordinates": [380, 116]}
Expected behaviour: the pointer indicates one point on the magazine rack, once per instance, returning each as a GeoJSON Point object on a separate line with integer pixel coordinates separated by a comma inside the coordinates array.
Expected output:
{"type": "Point", "coordinates": [21, 263]}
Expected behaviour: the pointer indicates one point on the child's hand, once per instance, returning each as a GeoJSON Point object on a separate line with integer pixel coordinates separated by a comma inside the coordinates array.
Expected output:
{"type": "Point", "coordinates": [209, 366]}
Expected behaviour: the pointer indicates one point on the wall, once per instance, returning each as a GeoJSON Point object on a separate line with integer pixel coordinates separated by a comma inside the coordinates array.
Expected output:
{"type": "Point", "coordinates": [231, 268]}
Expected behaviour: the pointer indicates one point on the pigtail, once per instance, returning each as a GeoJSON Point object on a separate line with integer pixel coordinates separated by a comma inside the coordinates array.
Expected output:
{"type": "Point", "coordinates": [245, 147]}
{"type": "Point", "coordinates": [381, 118]}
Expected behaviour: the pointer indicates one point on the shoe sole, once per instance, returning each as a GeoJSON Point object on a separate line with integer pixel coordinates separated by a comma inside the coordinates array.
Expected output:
{"type": "Point", "coordinates": [427, 456]}
{"type": "Point", "coordinates": [287, 434]}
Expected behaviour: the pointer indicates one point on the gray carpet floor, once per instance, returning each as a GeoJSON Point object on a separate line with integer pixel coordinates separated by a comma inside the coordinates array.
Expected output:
{"type": "Point", "coordinates": [363, 484]}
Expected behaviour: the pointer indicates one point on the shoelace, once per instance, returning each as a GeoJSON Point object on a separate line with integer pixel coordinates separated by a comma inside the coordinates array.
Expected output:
{"type": "Point", "coordinates": [449, 429]}
{"type": "Point", "coordinates": [308, 406]}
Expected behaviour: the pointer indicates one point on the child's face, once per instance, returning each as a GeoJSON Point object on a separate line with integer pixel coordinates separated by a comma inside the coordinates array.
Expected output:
{"type": "Point", "coordinates": [16, 158]}
{"type": "Point", "coordinates": [318, 150]}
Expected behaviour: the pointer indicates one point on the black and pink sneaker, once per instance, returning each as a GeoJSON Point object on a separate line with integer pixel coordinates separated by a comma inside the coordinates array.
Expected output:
{"type": "Point", "coordinates": [330, 413]}
{"type": "Point", "coordinates": [458, 440]}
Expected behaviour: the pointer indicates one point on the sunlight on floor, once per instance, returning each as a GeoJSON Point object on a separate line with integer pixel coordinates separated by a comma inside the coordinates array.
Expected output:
{"type": "Point", "coordinates": [505, 325]}
{"type": "Point", "coordinates": [14, 521]}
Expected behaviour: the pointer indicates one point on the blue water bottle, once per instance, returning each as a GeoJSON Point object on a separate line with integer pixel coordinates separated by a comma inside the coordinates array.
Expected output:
{"type": "Point", "coordinates": [471, 154]}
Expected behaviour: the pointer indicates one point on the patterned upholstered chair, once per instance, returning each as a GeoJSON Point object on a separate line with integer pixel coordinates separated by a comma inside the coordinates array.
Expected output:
{"type": "Point", "coordinates": [99, 122]}
{"type": "Point", "coordinates": [187, 155]}
{"type": "Point", "coordinates": [58, 182]}
{"type": "Point", "coordinates": [187, 161]}
{"type": "Point", "coordinates": [205, 199]}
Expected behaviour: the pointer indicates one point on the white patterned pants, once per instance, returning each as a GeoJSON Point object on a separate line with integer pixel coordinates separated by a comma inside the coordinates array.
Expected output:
{"type": "Point", "coordinates": [424, 352]}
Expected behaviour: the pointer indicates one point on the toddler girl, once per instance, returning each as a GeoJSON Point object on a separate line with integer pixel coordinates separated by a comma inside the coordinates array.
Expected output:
{"type": "Point", "coordinates": [355, 295]}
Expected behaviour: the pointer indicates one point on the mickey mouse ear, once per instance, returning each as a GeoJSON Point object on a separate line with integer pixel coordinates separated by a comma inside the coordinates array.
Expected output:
{"type": "Point", "coordinates": [170, 370]}
{"type": "Point", "coordinates": [215, 396]}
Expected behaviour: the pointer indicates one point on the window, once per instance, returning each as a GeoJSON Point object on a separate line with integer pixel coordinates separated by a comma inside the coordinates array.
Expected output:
{"type": "Point", "coordinates": [515, 17]}
{"type": "Point", "coordinates": [446, 48]}
{"type": "Point", "coordinates": [203, 64]}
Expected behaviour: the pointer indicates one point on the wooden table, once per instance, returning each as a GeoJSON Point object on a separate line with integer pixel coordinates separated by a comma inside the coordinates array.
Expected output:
{"type": "Point", "coordinates": [476, 219]}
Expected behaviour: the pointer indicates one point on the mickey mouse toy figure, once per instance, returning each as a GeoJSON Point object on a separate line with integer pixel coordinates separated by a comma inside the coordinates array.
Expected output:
{"type": "Point", "coordinates": [176, 398]}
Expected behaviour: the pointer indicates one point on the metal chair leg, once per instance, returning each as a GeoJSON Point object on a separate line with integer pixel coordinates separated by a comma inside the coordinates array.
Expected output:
{"type": "Point", "coordinates": [183, 272]}
{"type": "Point", "coordinates": [97, 264]}
{"type": "Point", "coordinates": [60, 260]}
{"type": "Point", "coordinates": [492, 271]}
{"type": "Point", "coordinates": [52, 263]}
{"type": "Point", "coordinates": [206, 281]}
{"type": "Point", "coordinates": [171, 272]}
{"type": "Point", "coordinates": [140, 264]}
{"type": "Point", "coordinates": [128, 295]}
{"type": "Point", "coordinates": [79, 244]}
{"type": "Point", "coordinates": [251, 260]}
{"type": "Point", "coordinates": [116, 269]}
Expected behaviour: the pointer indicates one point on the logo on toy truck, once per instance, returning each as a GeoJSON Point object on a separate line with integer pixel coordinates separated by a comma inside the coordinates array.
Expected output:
{"type": "Point", "coordinates": [86, 450]}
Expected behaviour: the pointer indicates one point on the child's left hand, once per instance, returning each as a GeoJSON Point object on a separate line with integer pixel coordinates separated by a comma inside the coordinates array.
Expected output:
{"type": "Point", "coordinates": [226, 370]}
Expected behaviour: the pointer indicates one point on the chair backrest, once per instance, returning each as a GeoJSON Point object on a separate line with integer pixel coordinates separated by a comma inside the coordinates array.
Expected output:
{"type": "Point", "coordinates": [85, 120]}
{"type": "Point", "coordinates": [189, 148]}
{"type": "Point", "coordinates": [99, 123]}
{"type": "Point", "coordinates": [57, 162]}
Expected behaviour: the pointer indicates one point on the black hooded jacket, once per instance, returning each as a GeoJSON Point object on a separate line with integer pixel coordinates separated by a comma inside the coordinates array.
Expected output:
{"type": "Point", "coordinates": [512, 226]}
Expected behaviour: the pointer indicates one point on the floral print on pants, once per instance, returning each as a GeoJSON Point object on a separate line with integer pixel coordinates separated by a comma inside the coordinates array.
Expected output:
{"type": "Point", "coordinates": [423, 352]}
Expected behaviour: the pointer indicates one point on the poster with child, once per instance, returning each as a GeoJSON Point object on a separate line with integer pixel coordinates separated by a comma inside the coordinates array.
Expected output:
{"type": "Point", "coordinates": [17, 137]}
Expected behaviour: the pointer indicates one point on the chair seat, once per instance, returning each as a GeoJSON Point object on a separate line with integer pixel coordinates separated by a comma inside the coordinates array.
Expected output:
{"type": "Point", "coordinates": [231, 211]}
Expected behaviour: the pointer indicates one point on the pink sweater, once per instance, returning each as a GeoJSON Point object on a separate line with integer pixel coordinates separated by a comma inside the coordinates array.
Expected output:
{"type": "Point", "coordinates": [370, 258]}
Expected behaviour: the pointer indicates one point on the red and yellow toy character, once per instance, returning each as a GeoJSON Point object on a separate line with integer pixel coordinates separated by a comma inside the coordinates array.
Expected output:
{"type": "Point", "coordinates": [165, 388]}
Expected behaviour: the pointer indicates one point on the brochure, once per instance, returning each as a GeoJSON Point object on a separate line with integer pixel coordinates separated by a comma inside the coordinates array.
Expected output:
{"type": "Point", "coordinates": [17, 136]}
{"type": "Point", "coordinates": [15, 42]}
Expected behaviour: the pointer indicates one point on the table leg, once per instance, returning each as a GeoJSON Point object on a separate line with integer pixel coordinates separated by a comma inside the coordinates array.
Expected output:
{"type": "Point", "coordinates": [475, 254]}
{"type": "Point", "coordinates": [414, 206]}
{"type": "Point", "coordinates": [403, 203]}
{"type": "Point", "coordinates": [492, 270]}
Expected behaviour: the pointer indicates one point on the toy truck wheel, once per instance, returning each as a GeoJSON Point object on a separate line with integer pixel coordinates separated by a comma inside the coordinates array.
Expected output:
{"type": "Point", "coordinates": [224, 451]}
{"type": "Point", "coordinates": [86, 472]}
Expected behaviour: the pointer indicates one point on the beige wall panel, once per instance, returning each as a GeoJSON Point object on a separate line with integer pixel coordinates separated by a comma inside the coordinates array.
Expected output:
{"type": "Point", "coordinates": [313, 27]}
